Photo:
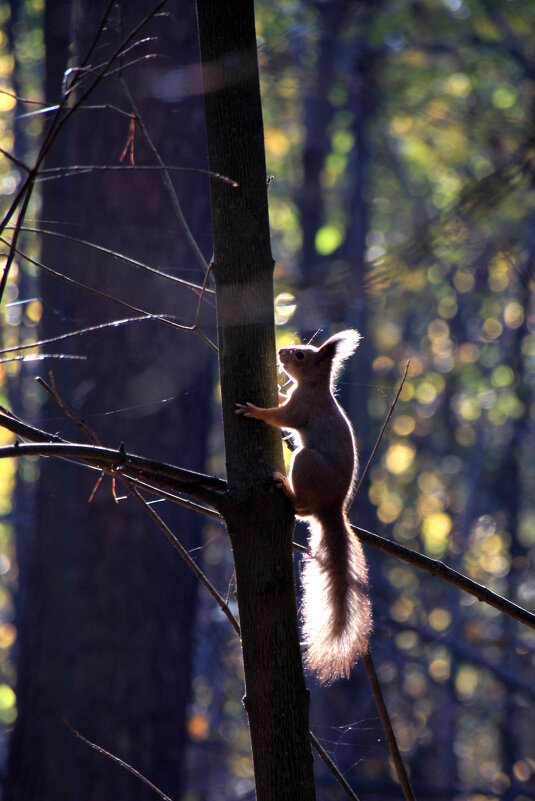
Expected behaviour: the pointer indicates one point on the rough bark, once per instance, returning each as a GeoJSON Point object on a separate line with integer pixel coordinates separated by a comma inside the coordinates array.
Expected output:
{"type": "Point", "coordinates": [258, 517]}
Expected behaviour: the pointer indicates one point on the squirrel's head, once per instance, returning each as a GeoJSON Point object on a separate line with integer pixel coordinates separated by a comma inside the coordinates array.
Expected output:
{"type": "Point", "coordinates": [307, 364]}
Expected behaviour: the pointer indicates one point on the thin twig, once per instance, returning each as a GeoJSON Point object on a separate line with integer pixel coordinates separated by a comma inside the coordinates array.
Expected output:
{"type": "Point", "coordinates": [39, 357]}
{"type": "Point", "coordinates": [79, 332]}
{"type": "Point", "coordinates": [12, 158]}
{"type": "Point", "coordinates": [370, 669]}
{"type": "Point", "coordinates": [54, 394]}
{"type": "Point", "coordinates": [169, 496]}
{"type": "Point", "coordinates": [90, 71]}
{"type": "Point", "coordinates": [175, 542]}
{"type": "Point", "coordinates": [116, 255]}
{"type": "Point", "coordinates": [177, 208]}
{"type": "Point", "coordinates": [51, 172]}
{"type": "Point", "coordinates": [380, 437]}
{"type": "Point", "coordinates": [388, 730]}
{"type": "Point", "coordinates": [199, 304]}
{"type": "Point", "coordinates": [60, 118]}
{"type": "Point", "coordinates": [105, 295]}
{"type": "Point", "coordinates": [119, 761]}
{"type": "Point", "coordinates": [22, 99]}
{"type": "Point", "coordinates": [96, 37]}
{"type": "Point", "coordinates": [332, 767]}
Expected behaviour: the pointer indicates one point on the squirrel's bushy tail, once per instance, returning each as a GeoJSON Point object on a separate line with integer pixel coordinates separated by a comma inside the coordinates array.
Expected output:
{"type": "Point", "coordinates": [336, 610]}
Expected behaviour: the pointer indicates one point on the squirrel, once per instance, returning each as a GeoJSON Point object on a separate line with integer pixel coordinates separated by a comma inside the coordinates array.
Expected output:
{"type": "Point", "coordinates": [337, 610]}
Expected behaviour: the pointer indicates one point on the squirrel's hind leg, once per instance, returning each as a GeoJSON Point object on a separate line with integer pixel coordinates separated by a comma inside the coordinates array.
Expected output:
{"type": "Point", "coordinates": [284, 484]}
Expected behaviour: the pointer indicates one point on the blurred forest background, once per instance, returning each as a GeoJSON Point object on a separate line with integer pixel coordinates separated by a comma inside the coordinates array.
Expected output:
{"type": "Point", "coordinates": [400, 137]}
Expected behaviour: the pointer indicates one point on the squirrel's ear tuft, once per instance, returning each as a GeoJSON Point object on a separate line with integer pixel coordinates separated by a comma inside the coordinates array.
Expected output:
{"type": "Point", "coordinates": [338, 348]}
{"type": "Point", "coordinates": [346, 343]}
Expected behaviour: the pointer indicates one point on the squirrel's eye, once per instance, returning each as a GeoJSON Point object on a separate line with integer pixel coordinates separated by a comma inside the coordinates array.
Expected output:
{"type": "Point", "coordinates": [299, 354]}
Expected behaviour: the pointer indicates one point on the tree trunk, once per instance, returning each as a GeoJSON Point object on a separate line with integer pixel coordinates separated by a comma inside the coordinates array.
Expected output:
{"type": "Point", "coordinates": [106, 641]}
{"type": "Point", "coordinates": [258, 516]}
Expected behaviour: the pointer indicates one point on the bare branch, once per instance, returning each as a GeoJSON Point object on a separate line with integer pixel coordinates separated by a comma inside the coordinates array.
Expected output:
{"type": "Point", "coordinates": [73, 169]}
{"type": "Point", "coordinates": [333, 768]}
{"type": "Point", "coordinates": [39, 357]}
{"type": "Point", "coordinates": [167, 181]}
{"type": "Point", "coordinates": [119, 463]}
{"type": "Point", "coordinates": [61, 116]}
{"type": "Point", "coordinates": [71, 281]}
{"type": "Point", "coordinates": [80, 331]}
{"type": "Point", "coordinates": [175, 542]}
{"type": "Point", "coordinates": [119, 761]}
{"type": "Point", "coordinates": [388, 730]}
{"type": "Point", "coordinates": [380, 437]}
{"type": "Point", "coordinates": [440, 570]}
{"type": "Point", "coordinates": [53, 392]}
{"type": "Point", "coordinates": [11, 422]}
{"type": "Point", "coordinates": [116, 255]}
{"type": "Point", "coordinates": [209, 489]}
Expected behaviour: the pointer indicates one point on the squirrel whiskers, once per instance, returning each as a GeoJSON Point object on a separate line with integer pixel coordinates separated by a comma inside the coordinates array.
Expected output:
{"type": "Point", "coordinates": [337, 611]}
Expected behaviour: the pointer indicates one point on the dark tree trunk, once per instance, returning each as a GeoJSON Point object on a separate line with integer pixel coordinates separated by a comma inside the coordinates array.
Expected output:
{"type": "Point", "coordinates": [107, 630]}
{"type": "Point", "coordinates": [258, 517]}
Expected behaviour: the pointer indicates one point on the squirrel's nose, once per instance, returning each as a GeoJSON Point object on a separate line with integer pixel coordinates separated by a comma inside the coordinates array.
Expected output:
{"type": "Point", "coordinates": [283, 356]}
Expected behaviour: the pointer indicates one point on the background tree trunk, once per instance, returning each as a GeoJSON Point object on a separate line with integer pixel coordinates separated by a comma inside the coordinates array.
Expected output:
{"type": "Point", "coordinates": [106, 634]}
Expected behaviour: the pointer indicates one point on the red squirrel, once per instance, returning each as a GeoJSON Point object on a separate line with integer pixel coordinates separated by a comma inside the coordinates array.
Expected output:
{"type": "Point", "coordinates": [337, 611]}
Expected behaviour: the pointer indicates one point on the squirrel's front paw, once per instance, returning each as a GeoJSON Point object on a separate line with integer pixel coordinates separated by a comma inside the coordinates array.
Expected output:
{"type": "Point", "coordinates": [244, 408]}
